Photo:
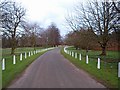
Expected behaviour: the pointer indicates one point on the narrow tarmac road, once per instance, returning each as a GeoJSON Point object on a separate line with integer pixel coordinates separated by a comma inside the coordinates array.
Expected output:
{"type": "Point", "coordinates": [52, 70]}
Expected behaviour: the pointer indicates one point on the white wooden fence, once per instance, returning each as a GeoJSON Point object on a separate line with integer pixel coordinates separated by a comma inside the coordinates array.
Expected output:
{"type": "Point", "coordinates": [25, 56]}
{"type": "Point", "coordinates": [72, 54]}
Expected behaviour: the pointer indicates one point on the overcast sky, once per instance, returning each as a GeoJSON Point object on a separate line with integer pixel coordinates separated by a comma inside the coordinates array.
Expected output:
{"type": "Point", "coordinates": [47, 11]}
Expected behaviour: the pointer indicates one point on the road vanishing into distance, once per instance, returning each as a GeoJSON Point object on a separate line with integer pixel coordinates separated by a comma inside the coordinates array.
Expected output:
{"type": "Point", "coordinates": [52, 70]}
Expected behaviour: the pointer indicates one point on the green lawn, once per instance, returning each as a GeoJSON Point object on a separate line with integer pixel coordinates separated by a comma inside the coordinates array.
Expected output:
{"type": "Point", "coordinates": [108, 72]}
{"type": "Point", "coordinates": [12, 71]}
{"type": "Point", "coordinates": [111, 55]}
{"type": "Point", "coordinates": [6, 52]}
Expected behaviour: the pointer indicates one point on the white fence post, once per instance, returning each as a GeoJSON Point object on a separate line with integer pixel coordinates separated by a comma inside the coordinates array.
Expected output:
{"type": "Point", "coordinates": [86, 59]}
{"type": "Point", "coordinates": [72, 54]}
{"type": "Point", "coordinates": [64, 49]}
{"type": "Point", "coordinates": [75, 55]}
{"type": "Point", "coordinates": [34, 52]}
{"type": "Point", "coordinates": [80, 56]}
{"type": "Point", "coordinates": [98, 64]}
{"type": "Point", "coordinates": [14, 59]}
{"type": "Point", "coordinates": [21, 57]}
{"type": "Point", "coordinates": [67, 52]}
{"type": "Point", "coordinates": [25, 55]}
{"type": "Point", "coordinates": [3, 64]}
{"type": "Point", "coordinates": [119, 69]}
{"type": "Point", "coordinates": [29, 54]}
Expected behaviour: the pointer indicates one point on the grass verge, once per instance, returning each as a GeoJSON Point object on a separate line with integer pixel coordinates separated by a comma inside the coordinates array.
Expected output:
{"type": "Point", "coordinates": [12, 71]}
{"type": "Point", "coordinates": [104, 75]}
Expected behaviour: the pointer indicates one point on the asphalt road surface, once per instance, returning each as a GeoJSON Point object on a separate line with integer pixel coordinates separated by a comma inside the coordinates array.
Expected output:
{"type": "Point", "coordinates": [52, 70]}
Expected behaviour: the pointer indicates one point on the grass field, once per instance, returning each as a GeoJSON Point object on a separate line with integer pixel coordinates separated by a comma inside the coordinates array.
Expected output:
{"type": "Point", "coordinates": [111, 55]}
{"type": "Point", "coordinates": [12, 71]}
{"type": "Point", "coordinates": [108, 74]}
{"type": "Point", "coordinates": [6, 52]}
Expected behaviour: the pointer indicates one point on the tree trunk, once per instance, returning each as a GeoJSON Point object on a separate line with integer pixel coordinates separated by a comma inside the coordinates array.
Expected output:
{"type": "Point", "coordinates": [13, 45]}
{"type": "Point", "coordinates": [76, 48]}
{"type": "Point", "coordinates": [87, 50]}
{"type": "Point", "coordinates": [34, 48]}
{"type": "Point", "coordinates": [13, 50]}
{"type": "Point", "coordinates": [103, 49]}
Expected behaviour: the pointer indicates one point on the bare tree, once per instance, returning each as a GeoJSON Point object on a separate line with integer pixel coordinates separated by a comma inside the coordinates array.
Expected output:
{"type": "Point", "coordinates": [117, 6]}
{"type": "Point", "coordinates": [99, 17]}
{"type": "Point", "coordinates": [32, 30]}
{"type": "Point", "coordinates": [53, 35]}
{"type": "Point", "coordinates": [11, 16]}
{"type": "Point", "coordinates": [84, 39]}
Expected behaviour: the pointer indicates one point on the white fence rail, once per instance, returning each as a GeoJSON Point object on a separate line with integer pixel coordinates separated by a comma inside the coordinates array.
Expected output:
{"type": "Point", "coordinates": [25, 56]}
{"type": "Point", "coordinates": [75, 55]}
